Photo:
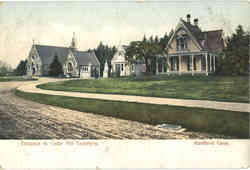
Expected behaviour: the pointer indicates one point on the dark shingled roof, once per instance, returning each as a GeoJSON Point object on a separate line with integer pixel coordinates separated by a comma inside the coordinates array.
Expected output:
{"type": "Point", "coordinates": [208, 40]}
{"type": "Point", "coordinates": [48, 53]}
{"type": "Point", "coordinates": [85, 58]}
{"type": "Point", "coordinates": [213, 40]}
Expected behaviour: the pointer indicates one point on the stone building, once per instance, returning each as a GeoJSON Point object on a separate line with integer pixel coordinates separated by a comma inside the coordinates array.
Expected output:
{"type": "Point", "coordinates": [191, 50]}
{"type": "Point", "coordinates": [83, 64]}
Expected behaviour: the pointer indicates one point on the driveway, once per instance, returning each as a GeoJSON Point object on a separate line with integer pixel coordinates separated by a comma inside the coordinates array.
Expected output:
{"type": "Point", "coordinates": [22, 119]}
{"type": "Point", "coordinates": [231, 106]}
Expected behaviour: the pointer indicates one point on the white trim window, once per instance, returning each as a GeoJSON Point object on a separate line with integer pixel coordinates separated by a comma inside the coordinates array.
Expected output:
{"type": "Point", "coordinates": [85, 68]}
{"type": "Point", "coordinates": [181, 42]}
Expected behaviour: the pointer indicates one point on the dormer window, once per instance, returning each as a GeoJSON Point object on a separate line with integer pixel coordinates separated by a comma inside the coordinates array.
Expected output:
{"type": "Point", "coordinates": [181, 43]}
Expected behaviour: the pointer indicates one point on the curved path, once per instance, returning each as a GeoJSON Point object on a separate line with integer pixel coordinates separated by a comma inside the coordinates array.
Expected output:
{"type": "Point", "coordinates": [23, 119]}
{"type": "Point", "coordinates": [231, 106]}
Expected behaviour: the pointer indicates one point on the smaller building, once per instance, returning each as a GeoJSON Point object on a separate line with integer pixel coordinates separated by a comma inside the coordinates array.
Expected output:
{"type": "Point", "coordinates": [83, 64]}
{"type": "Point", "coordinates": [121, 67]}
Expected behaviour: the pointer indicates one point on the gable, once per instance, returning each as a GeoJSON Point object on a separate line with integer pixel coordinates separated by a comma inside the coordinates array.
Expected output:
{"type": "Point", "coordinates": [191, 43]}
{"type": "Point", "coordinates": [191, 31]}
{"type": "Point", "coordinates": [119, 55]}
{"type": "Point", "coordinates": [72, 59]}
{"type": "Point", "coordinates": [213, 40]}
{"type": "Point", "coordinates": [33, 56]}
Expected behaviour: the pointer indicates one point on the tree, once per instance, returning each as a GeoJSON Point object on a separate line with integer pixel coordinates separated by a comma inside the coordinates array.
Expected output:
{"type": "Point", "coordinates": [21, 68]}
{"type": "Point", "coordinates": [145, 50]}
{"type": "Point", "coordinates": [104, 53]}
{"type": "Point", "coordinates": [55, 68]}
{"type": "Point", "coordinates": [236, 54]}
{"type": "Point", "coordinates": [4, 68]}
{"type": "Point", "coordinates": [164, 41]}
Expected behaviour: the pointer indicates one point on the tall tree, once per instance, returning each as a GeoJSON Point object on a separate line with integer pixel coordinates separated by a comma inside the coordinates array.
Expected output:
{"type": "Point", "coordinates": [236, 59]}
{"type": "Point", "coordinates": [104, 53]}
{"type": "Point", "coordinates": [55, 68]}
{"type": "Point", "coordinates": [21, 68]}
{"type": "Point", "coordinates": [145, 50]}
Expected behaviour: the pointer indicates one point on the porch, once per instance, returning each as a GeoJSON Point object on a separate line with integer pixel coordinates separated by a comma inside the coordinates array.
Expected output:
{"type": "Point", "coordinates": [186, 63]}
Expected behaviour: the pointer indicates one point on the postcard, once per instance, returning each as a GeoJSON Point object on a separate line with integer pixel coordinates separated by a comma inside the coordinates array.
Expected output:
{"type": "Point", "coordinates": [124, 84]}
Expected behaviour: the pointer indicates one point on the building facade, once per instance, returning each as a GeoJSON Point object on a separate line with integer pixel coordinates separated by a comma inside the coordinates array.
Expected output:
{"type": "Point", "coordinates": [121, 66]}
{"type": "Point", "coordinates": [83, 64]}
{"type": "Point", "coordinates": [191, 50]}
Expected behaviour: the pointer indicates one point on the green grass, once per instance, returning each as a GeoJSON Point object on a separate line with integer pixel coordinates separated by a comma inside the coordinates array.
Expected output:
{"type": "Point", "coordinates": [219, 88]}
{"type": "Point", "coordinates": [196, 119]}
{"type": "Point", "coordinates": [16, 78]}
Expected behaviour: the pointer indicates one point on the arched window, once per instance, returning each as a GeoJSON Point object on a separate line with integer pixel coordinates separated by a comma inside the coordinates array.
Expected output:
{"type": "Point", "coordinates": [70, 67]}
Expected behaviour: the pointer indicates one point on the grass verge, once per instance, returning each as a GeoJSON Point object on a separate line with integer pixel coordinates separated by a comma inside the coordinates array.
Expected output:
{"type": "Point", "coordinates": [217, 88]}
{"type": "Point", "coordinates": [195, 119]}
{"type": "Point", "coordinates": [16, 78]}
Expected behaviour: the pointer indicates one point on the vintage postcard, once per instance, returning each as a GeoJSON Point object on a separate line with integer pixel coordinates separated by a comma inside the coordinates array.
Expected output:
{"type": "Point", "coordinates": [124, 84]}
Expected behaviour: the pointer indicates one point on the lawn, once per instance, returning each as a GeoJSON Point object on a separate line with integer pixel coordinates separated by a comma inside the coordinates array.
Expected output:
{"type": "Point", "coordinates": [195, 119]}
{"type": "Point", "coordinates": [219, 88]}
{"type": "Point", "coordinates": [15, 78]}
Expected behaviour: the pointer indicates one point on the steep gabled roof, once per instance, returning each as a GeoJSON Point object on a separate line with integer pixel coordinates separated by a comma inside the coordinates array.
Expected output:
{"type": "Point", "coordinates": [207, 40]}
{"type": "Point", "coordinates": [86, 58]}
{"type": "Point", "coordinates": [48, 53]}
{"type": "Point", "coordinates": [213, 40]}
{"type": "Point", "coordinates": [195, 31]}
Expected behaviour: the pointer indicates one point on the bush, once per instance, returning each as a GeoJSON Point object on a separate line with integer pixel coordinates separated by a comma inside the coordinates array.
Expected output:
{"type": "Point", "coordinates": [55, 68]}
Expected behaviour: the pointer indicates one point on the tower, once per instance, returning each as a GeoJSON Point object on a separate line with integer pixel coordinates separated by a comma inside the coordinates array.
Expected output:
{"type": "Point", "coordinates": [73, 42]}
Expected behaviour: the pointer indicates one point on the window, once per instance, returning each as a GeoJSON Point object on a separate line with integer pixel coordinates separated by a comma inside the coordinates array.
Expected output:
{"type": "Point", "coordinates": [33, 57]}
{"type": "Point", "coordinates": [85, 68]}
{"type": "Point", "coordinates": [70, 67]}
{"type": "Point", "coordinates": [181, 43]}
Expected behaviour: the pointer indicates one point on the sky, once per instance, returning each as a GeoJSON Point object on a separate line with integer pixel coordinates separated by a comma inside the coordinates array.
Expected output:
{"type": "Point", "coordinates": [112, 22]}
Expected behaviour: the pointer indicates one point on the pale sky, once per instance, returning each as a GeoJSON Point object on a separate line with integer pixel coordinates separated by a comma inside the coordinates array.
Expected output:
{"type": "Point", "coordinates": [112, 22]}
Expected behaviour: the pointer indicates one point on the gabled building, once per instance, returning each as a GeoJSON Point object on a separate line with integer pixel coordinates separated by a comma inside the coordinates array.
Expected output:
{"type": "Point", "coordinates": [83, 64]}
{"type": "Point", "coordinates": [191, 50]}
{"type": "Point", "coordinates": [119, 63]}
{"type": "Point", "coordinates": [121, 66]}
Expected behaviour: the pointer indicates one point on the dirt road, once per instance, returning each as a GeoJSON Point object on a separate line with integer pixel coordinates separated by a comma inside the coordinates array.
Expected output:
{"type": "Point", "coordinates": [21, 119]}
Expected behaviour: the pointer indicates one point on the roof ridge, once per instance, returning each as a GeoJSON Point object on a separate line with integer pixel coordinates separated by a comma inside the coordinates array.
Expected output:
{"type": "Point", "coordinates": [50, 46]}
{"type": "Point", "coordinates": [213, 30]}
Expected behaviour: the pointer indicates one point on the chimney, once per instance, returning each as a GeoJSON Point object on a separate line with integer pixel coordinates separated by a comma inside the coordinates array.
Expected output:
{"type": "Point", "coordinates": [188, 18]}
{"type": "Point", "coordinates": [196, 21]}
